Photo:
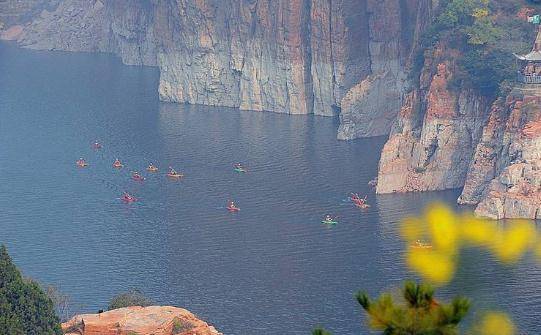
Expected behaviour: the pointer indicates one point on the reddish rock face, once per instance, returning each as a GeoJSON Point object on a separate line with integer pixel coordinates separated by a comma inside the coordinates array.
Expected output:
{"type": "Point", "coordinates": [152, 320]}
{"type": "Point", "coordinates": [504, 178]}
{"type": "Point", "coordinates": [435, 134]}
{"type": "Point", "coordinates": [12, 33]}
{"type": "Point", "coordinates": [441, 102]}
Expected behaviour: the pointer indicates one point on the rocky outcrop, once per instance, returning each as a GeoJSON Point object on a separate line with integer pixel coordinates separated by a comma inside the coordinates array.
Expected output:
{"type": "Point", "coordinates": [504, 177]}
{"type": "Point", "coordinates": [121, 26]}
{"type": "Point", "coordinates": [446, 137]}
{"type": "Point", "coordinates": [435, 134]}
{"type": "Point", "coordinates": [152, 320]}
{"type": "Point", "coordinates": [14, 12]}
{"type": "Point", "coordinates": [370, 107]}
{"type": "Point", "coordinates": [287, 56]}
{"type": "Point", "coordinates": [11, 34]}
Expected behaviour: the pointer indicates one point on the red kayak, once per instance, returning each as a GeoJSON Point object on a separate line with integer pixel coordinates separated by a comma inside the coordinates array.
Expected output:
{"type": "Point", "coordinates": [82, 163]}
{"type": "Point", "coordinates": [137, 177]}
{"type": "Point", "coordinates": [233, 209]}
{"type": "Point", "coordinates": [357, 200]}
{"type": "Point", "coordinates": [362, 205]}
{"type": "Point", "coordinates": [128, 198]}
{"type": "Point", "coordinates": [96, 146]}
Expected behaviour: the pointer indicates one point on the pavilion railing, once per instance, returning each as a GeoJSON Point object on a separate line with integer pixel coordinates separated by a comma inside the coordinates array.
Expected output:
{"type": "Point", "coordinates": [529, 79]}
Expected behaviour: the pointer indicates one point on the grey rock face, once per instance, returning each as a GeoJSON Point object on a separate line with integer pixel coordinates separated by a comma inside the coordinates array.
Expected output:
{"type": "Point", "coordinates": [119, 26]}
{"type": "Point", "coordinates": [370, 107]}
{"type": "Point", "coordinates": [287, 56]}
{"type": "Point", "coordinates": [13, 12]}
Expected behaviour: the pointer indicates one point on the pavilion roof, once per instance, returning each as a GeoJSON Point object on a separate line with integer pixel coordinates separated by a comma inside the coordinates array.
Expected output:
{"type": "Point", "coordinates": [532, 56]}
{"type": "Point", "coordinates": [535, 54]}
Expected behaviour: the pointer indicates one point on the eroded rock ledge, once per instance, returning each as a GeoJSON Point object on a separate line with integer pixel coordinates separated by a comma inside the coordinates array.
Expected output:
{"type": "Point", "coordinates": [152, 320]}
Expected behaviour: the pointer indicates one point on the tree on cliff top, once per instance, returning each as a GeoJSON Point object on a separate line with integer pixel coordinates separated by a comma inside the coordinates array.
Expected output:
{"type": "Point", "coordinates": [24, 307]}
{"type": "Point", "coordinates": [128, 299]}
{"type": "Point", "coordinates": [485, 33]}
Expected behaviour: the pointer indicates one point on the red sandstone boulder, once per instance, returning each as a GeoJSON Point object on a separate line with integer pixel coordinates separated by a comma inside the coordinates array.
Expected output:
{"type": "Point", "coordinates": [152, 320]}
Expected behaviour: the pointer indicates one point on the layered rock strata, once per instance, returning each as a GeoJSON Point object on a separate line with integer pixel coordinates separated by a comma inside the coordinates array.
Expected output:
{"type": "Point", "coordinates": [288, 56]}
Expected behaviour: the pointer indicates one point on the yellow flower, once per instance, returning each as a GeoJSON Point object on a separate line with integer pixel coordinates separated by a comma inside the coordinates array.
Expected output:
{"type": "Point", "coordinates": [443, 228]}
{"type": "Point", "coordinates": [476, 231]}
{"type": "Point", "coordinates": [412, 229]}
{"type": "Point", "coordinates": [496, 323]}
{"type": "Point", "coordinates": [446, 232]}
{"type": "Point", "coordinates": [433, 266]}
{"type": "Point", "coordinates": [509, 245]}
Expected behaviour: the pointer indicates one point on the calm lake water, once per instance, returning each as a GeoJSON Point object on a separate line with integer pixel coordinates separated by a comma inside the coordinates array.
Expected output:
{"type": "Point", "coordinates": [273, 268]}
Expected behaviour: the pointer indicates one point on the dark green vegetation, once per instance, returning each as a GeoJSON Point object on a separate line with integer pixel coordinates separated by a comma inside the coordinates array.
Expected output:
{"type": "Point", "coordinates": [130, 298]}
{"type": "Point", "coordinates": [180, 326]}
{"type": "Point", "coordinates": [418, 314]}
{"type": "Point", "coordinates": [320, 331]}
{"type": "Point", "coordinates": [24, 307]}
{"type": "Point", "coordinates": [485, 33]}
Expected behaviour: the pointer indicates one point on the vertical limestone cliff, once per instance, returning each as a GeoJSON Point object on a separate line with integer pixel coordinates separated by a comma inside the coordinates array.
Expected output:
{"type": "Point", "coordinates": [252, 55]}
{"type": "Point", "coordinates": [504, 177]}
{"type": "Point", "coordinates": [435, 134]}
{"type": "Point", "coordinates": [287, 56]}
{"type": "Point", "coordinates": [370, 106]}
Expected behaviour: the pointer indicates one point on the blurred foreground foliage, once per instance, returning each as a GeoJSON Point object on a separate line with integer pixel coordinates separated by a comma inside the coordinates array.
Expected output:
{"type": "Point", "coordinates": [447, 233]}
{"type": "Point", "coordinates": [433, 244]}
{"type": "Point", "coordinates": [418, 313]}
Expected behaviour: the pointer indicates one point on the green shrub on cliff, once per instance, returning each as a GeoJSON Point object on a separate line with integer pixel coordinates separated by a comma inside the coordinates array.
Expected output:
{"type": "Point", "coordinates": [180, 326]}
{"type": "Point", "coordinates": [486, 33]}
{"type": "Point", "coordinates": [24, 307]}
{"type": "Point", "coordinates": [128, 299]}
